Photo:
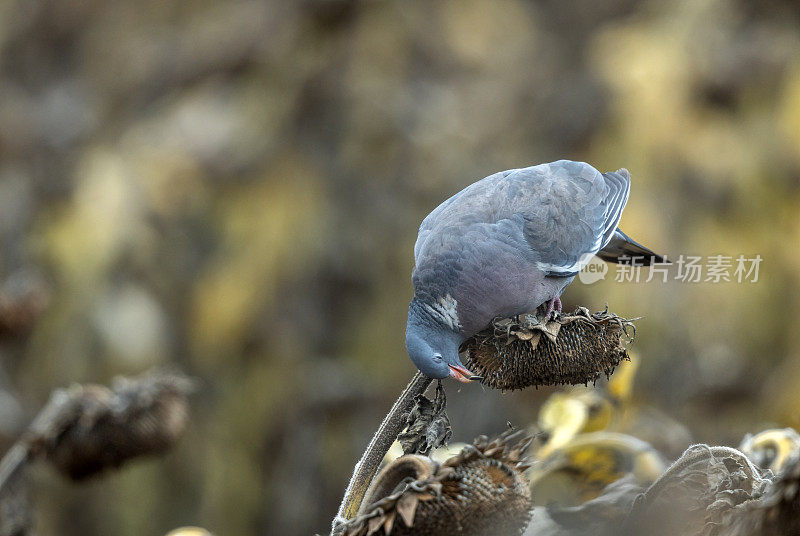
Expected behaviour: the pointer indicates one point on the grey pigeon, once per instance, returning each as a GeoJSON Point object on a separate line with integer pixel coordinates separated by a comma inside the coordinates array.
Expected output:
{"type": "Point", "coordinates": [506, 245]}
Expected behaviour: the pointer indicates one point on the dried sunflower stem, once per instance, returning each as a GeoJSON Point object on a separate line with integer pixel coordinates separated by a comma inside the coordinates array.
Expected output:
{"type": "Point", "coordinates": [367, 466]}
{"type": "Point", "coordinates": [14, 460]}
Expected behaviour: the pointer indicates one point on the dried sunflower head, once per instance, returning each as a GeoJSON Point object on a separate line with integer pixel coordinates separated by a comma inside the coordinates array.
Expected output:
{"type": "Point", "coordinates": [23, 298]}
{"type": "Point", "coordinates": [577, 348]}
{"type": "Point", "coordinates": [705, 491]}
{"type": "Point", "coordinates": [778, 511]}
{"type": "Point", "coordinates": [772, 449]}
{"type": "Point", "coordinates": [88, 428]}
{"type": "Point", "coordinates": [575, 411]}
{"type": "Point", "coordinates": [480, 491]}
{"type": "Point", "coordinates": [580, 469]}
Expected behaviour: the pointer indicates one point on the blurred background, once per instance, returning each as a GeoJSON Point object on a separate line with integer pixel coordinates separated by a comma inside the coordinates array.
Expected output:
{"type": "Point", "coordinates": [234, 189]}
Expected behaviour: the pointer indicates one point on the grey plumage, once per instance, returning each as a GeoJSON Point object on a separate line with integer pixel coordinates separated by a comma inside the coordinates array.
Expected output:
{"type": "Point", "coordinates": [505, 245]}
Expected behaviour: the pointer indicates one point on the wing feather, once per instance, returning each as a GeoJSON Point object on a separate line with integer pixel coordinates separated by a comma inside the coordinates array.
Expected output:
{"type": "Point", "coordinates": [564, 211]}
{"type": "Point", "coordinates": [619, 186]}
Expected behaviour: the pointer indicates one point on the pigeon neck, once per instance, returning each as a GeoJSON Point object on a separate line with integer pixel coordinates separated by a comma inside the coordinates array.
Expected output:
{"type": "Point", "coordinates": [421, 317]}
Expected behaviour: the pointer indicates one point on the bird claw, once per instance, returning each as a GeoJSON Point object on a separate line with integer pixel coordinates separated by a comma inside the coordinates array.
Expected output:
{"type": "Point", "coordinates": [553, 308]}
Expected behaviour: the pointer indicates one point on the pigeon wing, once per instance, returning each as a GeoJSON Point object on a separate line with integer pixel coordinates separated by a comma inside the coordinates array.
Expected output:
{"type": "Point", "coordinates": [564, 211]}
{"type": "Point", "coordinates": [578, 211]}
{"type": "Point", "coordinates": [478, 203]}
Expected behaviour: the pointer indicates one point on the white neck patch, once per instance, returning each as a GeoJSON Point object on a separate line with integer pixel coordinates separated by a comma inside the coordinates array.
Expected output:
{"type": "Point", "coordinates": [445, 309]}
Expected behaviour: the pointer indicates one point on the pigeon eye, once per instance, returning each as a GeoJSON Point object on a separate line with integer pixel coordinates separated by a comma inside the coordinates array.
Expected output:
{"type": "Point", "coordinates": [437, 358]}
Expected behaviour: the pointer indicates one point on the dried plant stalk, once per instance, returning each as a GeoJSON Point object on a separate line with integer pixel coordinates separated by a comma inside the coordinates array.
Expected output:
{"type": "Point", "coordinates": [16, 512]}
{"type": "Point", "coordinates": [367, 466]}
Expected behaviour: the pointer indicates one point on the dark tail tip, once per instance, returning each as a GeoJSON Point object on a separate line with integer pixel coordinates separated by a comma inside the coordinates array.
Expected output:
{"type": "Point", "coordinates": [622, 249]}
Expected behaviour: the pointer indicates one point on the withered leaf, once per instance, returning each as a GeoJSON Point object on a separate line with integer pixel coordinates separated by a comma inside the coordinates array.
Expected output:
{"type": "Point", "coordinates": [551, 330]}
{"type": "Point", "coordinates": [535, 340]}
{"type": "Point", "coordinates": [406, 507]}
{"type": "Point", "coordinates": [427, 425]}
{"type": "Point", "coordinates": [389, 523]}
{"type": "Point", "coordinates": [436, 486]}
{"type": "Point", "coordinates": [374, 525]}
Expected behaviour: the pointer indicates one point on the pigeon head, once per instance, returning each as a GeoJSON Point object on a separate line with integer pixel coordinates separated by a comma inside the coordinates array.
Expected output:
{"type": "Point", "coordinates": [433, 346]}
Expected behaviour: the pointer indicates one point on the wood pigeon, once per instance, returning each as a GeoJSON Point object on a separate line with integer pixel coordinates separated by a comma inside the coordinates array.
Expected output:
{"type": "Point", "coordinates": [506, 245]}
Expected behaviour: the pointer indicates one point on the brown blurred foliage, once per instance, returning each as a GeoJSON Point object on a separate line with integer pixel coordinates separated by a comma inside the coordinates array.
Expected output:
{"type": "Point", "coordinates": [235, 187]}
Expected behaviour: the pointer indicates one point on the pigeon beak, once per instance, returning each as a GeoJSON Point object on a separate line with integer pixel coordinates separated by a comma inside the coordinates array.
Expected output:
{"type": "Point", "coordinates": [462, 374]}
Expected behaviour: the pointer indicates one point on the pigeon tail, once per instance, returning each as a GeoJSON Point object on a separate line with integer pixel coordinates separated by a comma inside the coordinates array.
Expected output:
{"type": "Point", "coordinates": [622, 249]}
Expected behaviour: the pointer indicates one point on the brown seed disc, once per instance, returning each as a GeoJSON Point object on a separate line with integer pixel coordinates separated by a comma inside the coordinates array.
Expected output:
{"type": "Point", "coordinates": [482, 490]}
{"type": "Point", "coordinates": [514, 353]}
